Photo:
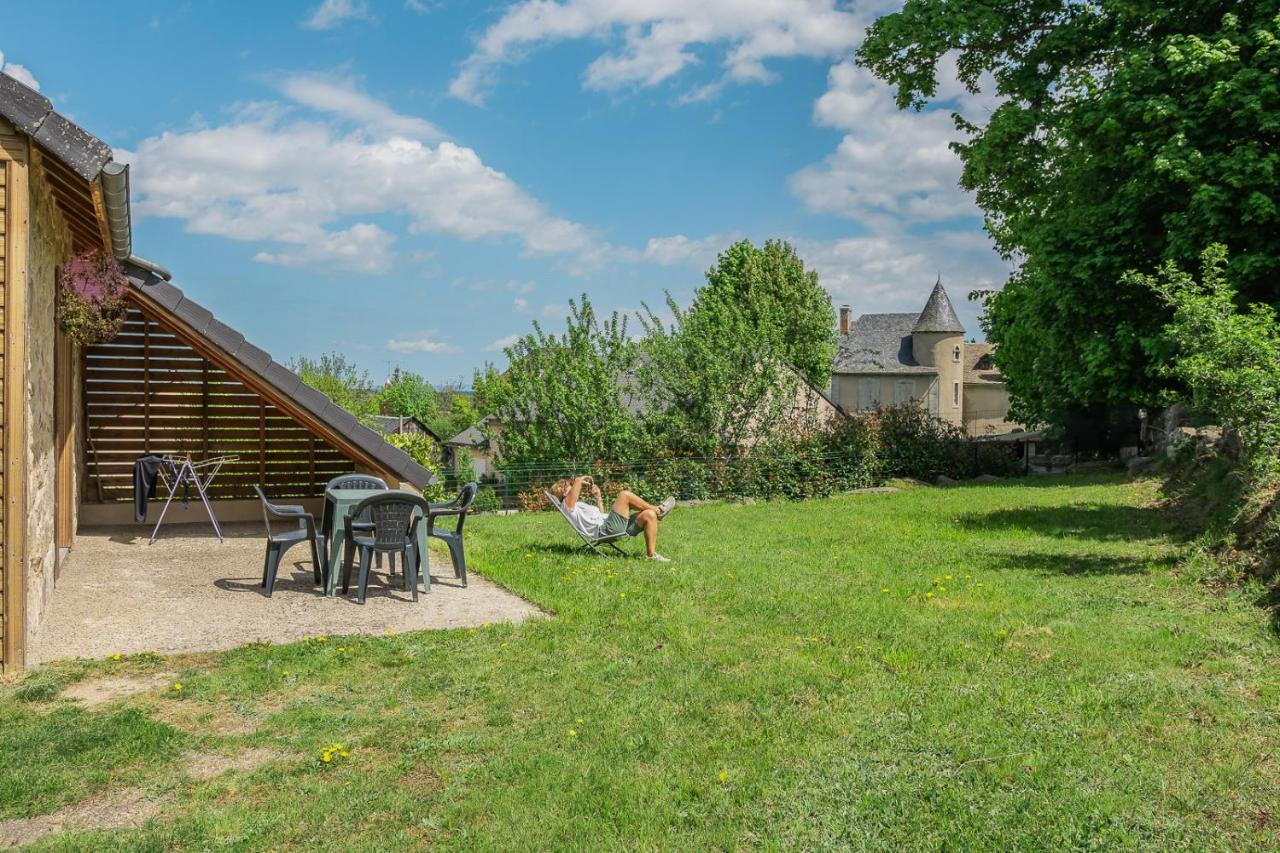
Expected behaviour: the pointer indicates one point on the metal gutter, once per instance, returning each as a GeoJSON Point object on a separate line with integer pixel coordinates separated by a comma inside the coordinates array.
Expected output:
{"type": "Point", "coordinates": [114, 179]}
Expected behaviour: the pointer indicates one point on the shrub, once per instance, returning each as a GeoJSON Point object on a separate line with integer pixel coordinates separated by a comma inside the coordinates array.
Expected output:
{"type": "Point", "coordinates": [487, 500]}
{"type": "Point", "coordinates": [913, 443]}
{"type": "Point", "coordinates": [423, 450]}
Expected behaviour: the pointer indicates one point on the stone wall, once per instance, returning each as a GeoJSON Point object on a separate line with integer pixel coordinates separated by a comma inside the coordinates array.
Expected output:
{"type": "Point", "coordinates": [50, 246]}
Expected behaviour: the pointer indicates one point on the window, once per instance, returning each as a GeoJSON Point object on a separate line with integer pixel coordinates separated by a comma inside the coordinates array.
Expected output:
{"type": "Point", "coordinates": [868, 394]}
{"type": "Point", "coordinates": [904, 390]}
{"type": "Point", "coordinates": [955, 354]}
{"type": "Point", "coordinates": [955, 394]}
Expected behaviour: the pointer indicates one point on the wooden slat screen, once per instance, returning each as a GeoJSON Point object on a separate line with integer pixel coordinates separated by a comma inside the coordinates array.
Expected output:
{"type": "Point", "coordinates": [148, 392]}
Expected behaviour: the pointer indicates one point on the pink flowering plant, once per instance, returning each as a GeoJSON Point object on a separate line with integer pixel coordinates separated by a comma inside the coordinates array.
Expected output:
{"type": "Point", "coordinates": [91, 303]}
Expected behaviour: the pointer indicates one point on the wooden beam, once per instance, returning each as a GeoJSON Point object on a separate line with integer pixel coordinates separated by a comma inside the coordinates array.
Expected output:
{"type": "Point", "coordinates": [100, 213]}
{"type": "Point", "coordinates": [14, 151]}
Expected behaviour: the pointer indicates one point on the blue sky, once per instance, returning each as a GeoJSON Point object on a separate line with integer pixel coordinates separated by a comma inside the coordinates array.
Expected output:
{"type": "Point", "coordinates": [413, 183]}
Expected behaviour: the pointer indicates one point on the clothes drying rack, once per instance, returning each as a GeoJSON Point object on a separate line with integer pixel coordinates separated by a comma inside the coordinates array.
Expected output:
{"type": "Point", "coordinates": [182, 471]}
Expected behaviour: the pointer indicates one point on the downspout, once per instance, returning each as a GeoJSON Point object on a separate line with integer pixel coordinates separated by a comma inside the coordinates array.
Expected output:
{"type": "Point", "coordinates": [115, 202]}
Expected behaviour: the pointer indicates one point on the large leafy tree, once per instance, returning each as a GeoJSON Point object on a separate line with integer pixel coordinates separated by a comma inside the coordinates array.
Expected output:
{"type": "Point", "coordinates": [561, 401]}
{"type": "Point", "coordinates": [340, 380]}
{"type": "Point", "coordinates": [719, 375]}
{"type": "Point", "coordinates": [768, 292]}
{"type": "Point", "coordinates": [406, 394]}
{"type": "Point", "coordinates": [1130, 133]}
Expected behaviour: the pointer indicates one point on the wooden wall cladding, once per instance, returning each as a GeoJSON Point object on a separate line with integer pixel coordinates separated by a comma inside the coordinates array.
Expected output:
{"type": "Point", "coordinates": [148, 392]}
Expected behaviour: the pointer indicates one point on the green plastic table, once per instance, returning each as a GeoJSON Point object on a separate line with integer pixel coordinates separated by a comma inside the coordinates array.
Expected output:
{"type": "Point", "coordinates": [338, 504]}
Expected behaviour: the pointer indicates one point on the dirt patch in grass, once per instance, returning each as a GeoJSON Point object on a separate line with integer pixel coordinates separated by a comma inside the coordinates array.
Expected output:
{"type": "Point", "coordinates": [117, 810]}
{"type": "Point", "coordinates": [207, 765]}
{"type": "Point", "coordinates": [100, 691]}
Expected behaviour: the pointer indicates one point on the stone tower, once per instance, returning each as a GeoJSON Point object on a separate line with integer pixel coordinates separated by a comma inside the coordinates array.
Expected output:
{"type": "Point", "coordinates": [937, 341]}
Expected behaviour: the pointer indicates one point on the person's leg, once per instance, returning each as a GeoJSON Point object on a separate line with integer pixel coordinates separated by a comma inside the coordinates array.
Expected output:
{"type": "Point", "coordinates": [647, 521]}
{"type": "Point", "coordinates": [628, 502]}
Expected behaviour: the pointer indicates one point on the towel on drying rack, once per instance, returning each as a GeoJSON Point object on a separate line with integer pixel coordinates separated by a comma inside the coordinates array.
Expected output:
{"type": "Point", "coordinates": [146, 470]}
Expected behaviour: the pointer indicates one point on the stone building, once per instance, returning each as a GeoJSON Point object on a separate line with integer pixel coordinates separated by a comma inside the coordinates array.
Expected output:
{"type": "Point", "coordinates": [173, 382]}
{"type": "Point", "coordinates": [890, 359]}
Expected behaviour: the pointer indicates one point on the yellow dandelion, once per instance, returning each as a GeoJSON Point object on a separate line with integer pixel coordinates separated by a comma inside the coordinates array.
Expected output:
{"type": "Point", "coordinates": [573, 732]}
{"type": "Point", "coordinates": [622, 595]}
{"type": "Point", "coordinates": [884, 589]}
{"type": "Point", "coordinates": [503, 646]}
{"type": "Point", "coordinates": [929, 594]}
{"type": "Point", "coordinates": [177, 687]}
{"type": "Point", "coordinates": [327, 757]}
{"type": "Point", "coordinates": [724, 776]}
{"type": "Point", "coordinates": [948, 577]}
{"type": "Point", "coordinates": [116, 656]}
{"type": "Point", "coordinates": [580, 721]}
{"type": "Point", "coordinates": [942, 589]}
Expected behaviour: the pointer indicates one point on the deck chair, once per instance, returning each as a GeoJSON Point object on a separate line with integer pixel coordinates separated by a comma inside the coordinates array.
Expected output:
{"type": "Point", "coordinates": [589, 544]}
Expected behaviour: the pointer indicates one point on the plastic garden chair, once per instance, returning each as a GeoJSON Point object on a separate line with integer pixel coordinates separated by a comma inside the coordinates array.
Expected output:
{"type": "Point", "coordinates": [359, 481]}
{"type": "Point", "coordinates": [393, 522]}
{"type": "Point", "coordinates": [279, 543]}
{"type": "Point", "coordinates": [587, 542]}
{"type": "Point", "coordinates": [453, 538]}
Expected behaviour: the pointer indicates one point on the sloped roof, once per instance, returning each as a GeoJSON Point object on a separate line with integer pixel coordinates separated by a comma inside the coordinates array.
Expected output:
{"type": "Point", "coordinates": [33, 114]}
{"type": "Point", "coordinates": [939, 315]}
{"type": "Point", "coordinates": [393, 424]}
{"type": "Point", "coordinates": [159, 295]}
{"type": "Point", "coordinates": [879, 343]}
{"type": "Point", "coordinates": [979, 369]}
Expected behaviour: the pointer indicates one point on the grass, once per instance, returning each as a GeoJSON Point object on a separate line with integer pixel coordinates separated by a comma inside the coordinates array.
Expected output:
{"type": "Point", "coordinates": [1013, 666]}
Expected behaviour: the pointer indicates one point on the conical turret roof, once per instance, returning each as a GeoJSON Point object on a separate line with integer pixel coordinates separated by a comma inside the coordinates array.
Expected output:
{"type": "Point", "coordinates": [939, 315]}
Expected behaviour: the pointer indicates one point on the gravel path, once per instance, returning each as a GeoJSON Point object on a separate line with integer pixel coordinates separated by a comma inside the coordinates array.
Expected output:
{"type": "Point", "coordinates": [189, 593]}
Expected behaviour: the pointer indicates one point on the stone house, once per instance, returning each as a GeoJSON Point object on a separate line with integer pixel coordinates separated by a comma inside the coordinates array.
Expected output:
{"type": "Point", "coordinates": [890, 359]}
{"type": "Point", "coordinates": [175, 380]}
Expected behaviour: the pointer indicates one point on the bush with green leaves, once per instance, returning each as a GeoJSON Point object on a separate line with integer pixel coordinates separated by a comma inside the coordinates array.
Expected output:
{"type": "Point", "coordinates": [423, 450]}
{"type": "Point", "coordinates": [487, 500]}
{"type": "Point", "coordinates": [913, 443]}
{"type": "Point", "coordinates": [1228, 357]}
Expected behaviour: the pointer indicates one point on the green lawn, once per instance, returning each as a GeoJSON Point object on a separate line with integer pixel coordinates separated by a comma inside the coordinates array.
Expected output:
{"type": "Point", "coordinates": [1005, 666]}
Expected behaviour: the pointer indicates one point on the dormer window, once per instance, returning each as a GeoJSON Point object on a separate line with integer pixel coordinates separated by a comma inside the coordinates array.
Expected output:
{"type": "Point", "coordinates": [955, 354]}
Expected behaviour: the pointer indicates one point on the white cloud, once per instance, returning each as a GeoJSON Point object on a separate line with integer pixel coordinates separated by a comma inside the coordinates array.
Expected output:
{"type": "Point", "coordinates": [270, 174]}
{"type": "Point", "coordinates": [890, 163]}
{"type": "Point", "coordinates": [361, 248]}
{"type": "Point", "coordinates": [331, 13]}
{"type": "Point", "coordinates": [520, 304]}
{"type": "Point", "coordinates": [19, 73]}
{"type": "Point", "coordinates": [339, 96]}
{"type": "Point", "coordinates": [651, 41]}
{"type": "Point", "coordinates": [502, 343]}
{"type": "Point", "coordinates": [679, 249]}
{"type": "Point", "coordinates": [423, 344]}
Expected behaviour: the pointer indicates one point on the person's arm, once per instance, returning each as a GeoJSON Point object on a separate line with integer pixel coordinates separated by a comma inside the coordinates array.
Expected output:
{"type": "Point", "coordinates": [595, 493]}
{"type": "Point", "coordinates": [574, 490]}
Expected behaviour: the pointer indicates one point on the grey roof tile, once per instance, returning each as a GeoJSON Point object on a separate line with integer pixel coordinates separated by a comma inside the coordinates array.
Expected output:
{"type": "Point", "coordinates": [194, 315]}
{"type": "Point", "coordinates": [282, 377]}
{"type": "Point", "coordinates": [939, 315]}
{"type": "Point", "coordinates": [33, 114]}
{"type": "Point", "coordinates": [878, 343]}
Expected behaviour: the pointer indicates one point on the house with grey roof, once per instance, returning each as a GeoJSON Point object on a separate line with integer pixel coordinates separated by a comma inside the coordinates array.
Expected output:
{"type": "Point", "coordinates": [922, 358]}
{"type": "Point", "coordinates": [173, 381]}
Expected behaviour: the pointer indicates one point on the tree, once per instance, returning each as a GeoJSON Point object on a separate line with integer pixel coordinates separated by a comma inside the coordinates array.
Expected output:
{"type": "Point", "coordinates": [340, 381]}
{"type": "Point", "coordinates": [408, 395]}
{"type": "Point", "coordinates": [1228, 358]}
{"type": "Point", "coordinates": [772, 297]}
{"type": "Point", "coordinates": [1130, 133]}
{"type": "Point", "coordinates": [718, 377]}
{"type": "Point", "coordinates": [560, 399]}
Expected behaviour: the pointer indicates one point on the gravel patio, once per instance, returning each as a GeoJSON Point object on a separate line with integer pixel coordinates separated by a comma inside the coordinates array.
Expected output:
{"type": "Point", "coordinates": [188, 592]}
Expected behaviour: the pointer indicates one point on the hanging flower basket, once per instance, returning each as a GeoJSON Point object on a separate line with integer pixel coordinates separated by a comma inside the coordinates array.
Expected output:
{"type": "Point", "coordinates": [91, 303]}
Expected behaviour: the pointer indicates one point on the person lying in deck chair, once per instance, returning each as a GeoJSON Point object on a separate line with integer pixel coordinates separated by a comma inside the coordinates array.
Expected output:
{"type": "Point", "coordinates": [629, 513]}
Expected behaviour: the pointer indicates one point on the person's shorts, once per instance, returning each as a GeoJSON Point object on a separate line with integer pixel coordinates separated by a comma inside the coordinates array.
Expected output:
{"type": "Point", "coordinates": [615, 524]}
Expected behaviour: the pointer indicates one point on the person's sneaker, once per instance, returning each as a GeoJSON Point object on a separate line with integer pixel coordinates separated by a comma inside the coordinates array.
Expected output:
{"type": "Point", "coordinates": [666, 507]}
{"type": "Point", "coordinates": [658, 558]}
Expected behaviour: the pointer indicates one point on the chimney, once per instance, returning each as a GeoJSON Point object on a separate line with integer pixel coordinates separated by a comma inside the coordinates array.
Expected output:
{"type": "Point", "coordinates": [846, 319]}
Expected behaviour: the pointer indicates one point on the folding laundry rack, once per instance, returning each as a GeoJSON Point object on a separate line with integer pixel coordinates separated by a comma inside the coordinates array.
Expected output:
{"type": "Point", "coordinates": [182, 471]}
